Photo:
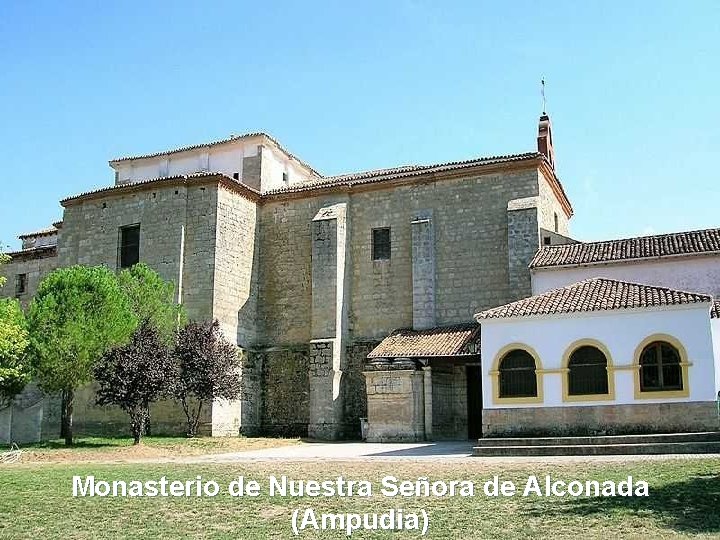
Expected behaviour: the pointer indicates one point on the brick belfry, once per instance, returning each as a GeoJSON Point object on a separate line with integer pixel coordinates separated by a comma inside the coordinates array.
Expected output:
{"type": "Point", "coordinates": [329, 321]}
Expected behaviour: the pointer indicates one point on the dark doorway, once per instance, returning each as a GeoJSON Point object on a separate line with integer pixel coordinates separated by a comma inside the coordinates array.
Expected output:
{"type": "Point", "coordinates": [474, 401]}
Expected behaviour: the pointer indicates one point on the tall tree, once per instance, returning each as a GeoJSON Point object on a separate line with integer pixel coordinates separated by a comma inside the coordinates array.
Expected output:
{"type": "Point", "coordinates": [152, 299]}
{"type": "Point", "coordinates": [209, 368]}
{"type": "Point", "coordinates": [134, 375]}
{"type": "Point", "coordinates": [77, 314]}
{"type": "Point", "coordinates": [14, 370]}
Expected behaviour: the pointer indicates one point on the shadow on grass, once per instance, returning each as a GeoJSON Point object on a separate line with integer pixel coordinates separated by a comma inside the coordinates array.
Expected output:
{"type": "Point", "coordinates": [689, 506]}
{"type": "Point", "coordinates": [96, 442]}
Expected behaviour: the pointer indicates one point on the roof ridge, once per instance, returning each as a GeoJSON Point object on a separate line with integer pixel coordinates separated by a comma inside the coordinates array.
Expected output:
{"type": "Point", "coordinates": [409, 171]}
{"type": "Point", "coordinates": [630, 238]}
{"type": "Point", "coordinates": [592, 295]}
{"type": "Point", "coordinates": [225, 140]}
{"type": "Point", "coordinates": [624, 282]}
{"type": "Point", "coordinates": [679, 243]}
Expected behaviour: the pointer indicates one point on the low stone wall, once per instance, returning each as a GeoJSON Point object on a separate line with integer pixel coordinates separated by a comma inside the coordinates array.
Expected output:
{"type": "Point", "coordinates": [601, 419]}
{"type": "Point", "coordinates": [396, 409]}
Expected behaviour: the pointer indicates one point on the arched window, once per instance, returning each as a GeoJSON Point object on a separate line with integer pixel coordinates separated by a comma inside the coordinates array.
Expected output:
{"type": "Point", "coordinates": [517, 375]}
{"type": "Point", "coordinates": [660, 368]}
{"type": "Point", "coordinates": [587, 373]}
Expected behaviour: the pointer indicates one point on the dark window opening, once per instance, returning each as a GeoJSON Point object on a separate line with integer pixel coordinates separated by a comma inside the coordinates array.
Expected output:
{"type": "Point", "coordinates": [588, 373]}
{"type": "Point", "coordinates": [285, 177]}
{"type": "Point", "coordinates": [236, 176]}
{"type": "Point", "coordinates": [660, 368]}
{"type": "Point", "coordinates": [129, 250]}
{"type": "Point", "coordinates": [517, 375]}
{"type": "Point", "coordinates": [546, 240]}
{"type": "Point", "coordinates": [556, 222]}
{"type": "Point", "coordinates": [20, 284]}
{"type": "Point", "coordinates": [381, 244]}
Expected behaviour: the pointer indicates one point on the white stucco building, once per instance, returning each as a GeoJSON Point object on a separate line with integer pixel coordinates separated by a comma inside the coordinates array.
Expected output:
{"type": "Point", "coordinates": [255, 159]}
{"type": "Point", "coordinates": [599, 356]}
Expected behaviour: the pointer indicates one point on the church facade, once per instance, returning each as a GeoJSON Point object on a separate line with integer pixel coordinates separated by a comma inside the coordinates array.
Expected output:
{"type": "Point", "coordinates": [352, 297]}
{"type": "Point", "coordinates": [307, 274]}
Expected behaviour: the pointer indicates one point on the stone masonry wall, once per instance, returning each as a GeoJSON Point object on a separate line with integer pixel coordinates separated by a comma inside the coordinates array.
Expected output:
{"type": "Point", "coordinates": [548, 207]}
{"type": "Point", "coordinates": [523, 239]}
{"type": "Point", "coordinates": [471, 253]}
{"type": "Point", "coordinates": [285, 394]}
{"type": "Point", "coordinates": [470, 225]}
{"type": "Point", "coordinates": [173, 220]}
{"type": "Point", "coordinates": [36, 269]}
{"type": "Point", "coordinates": [235, 288]}
{"type": "Point", "coordinates": [601, 419]}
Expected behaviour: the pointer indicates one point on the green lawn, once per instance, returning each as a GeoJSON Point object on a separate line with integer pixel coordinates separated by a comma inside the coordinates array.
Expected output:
{"type": "Point", "coordinates": [36, 502]}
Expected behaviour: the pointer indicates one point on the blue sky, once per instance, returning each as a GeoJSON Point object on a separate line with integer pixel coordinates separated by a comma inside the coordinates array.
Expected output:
{"type": "Point", "coordinates": [632, 92]}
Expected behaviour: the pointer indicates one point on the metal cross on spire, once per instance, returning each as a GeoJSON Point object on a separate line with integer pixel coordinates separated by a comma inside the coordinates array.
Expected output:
{"type": "Point", "coordinates": [542, 93]}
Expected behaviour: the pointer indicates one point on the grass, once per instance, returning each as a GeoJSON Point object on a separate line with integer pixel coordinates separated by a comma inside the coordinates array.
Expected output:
{"type": "Point", "coordinates": [36, 502]}
{"type": "Point", "coordinates": [103, 449]}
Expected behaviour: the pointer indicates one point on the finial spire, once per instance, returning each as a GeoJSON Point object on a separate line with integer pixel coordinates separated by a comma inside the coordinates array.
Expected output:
{"type": "Point", "coordinates": [542, 93]}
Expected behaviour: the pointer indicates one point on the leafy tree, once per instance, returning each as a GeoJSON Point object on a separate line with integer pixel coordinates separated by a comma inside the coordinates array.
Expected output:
{"type": "Point", "coordinates": [134, 375]}
{"type": "Point", "coordinates": [209, 368]}
{"type": "Point", "coordinates": [14, 370]}
{"type": "Point", "coordinates": [77, 314]}
{"type": "Point", "coordinates": [152, 299]}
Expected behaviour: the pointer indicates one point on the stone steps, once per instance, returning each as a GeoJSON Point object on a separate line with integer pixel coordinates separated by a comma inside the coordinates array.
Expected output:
{"type": "Point", "coordinates": [667, 443]}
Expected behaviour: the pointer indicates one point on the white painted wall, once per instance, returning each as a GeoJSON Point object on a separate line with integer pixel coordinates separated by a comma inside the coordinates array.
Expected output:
{"type": "Point", "coordinates": [274, 164]}
{"type": "Point", "coordinates": [699, 273]}
{"type": "Point", "coordinates": [225, 158]}
{"type": "Point", "coordinates": [715, 328]}
{"type": "Point", "coordinates": [621, 331]}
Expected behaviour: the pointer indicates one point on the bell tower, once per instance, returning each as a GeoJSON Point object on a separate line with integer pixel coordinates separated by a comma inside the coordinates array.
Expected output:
{"type": "Point", "coordinates": [544, 140]}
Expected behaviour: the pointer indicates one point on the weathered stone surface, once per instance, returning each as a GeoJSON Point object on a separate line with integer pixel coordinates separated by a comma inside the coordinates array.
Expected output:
{"type": "Point", "coordinates": [601, 419]}
{"type": "Point", "coordinates": [302, 297]}
{"type": "Point", "coordinates": [396, 407]}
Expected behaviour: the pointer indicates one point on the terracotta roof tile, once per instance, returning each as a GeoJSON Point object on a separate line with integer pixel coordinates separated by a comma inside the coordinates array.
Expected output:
{"type": "Point", "coordinates": [183, 178]}
{"type": "Point", "coordinates": [34, 252]}
{"type": "Point", "coordinates": [406, 171]}
{"type": "Point", "coordinates": [596, 294]}
{"type": "Point", "coordinates": [42, 232]}
{"type": "Point", "coordinates": [642, 247]}
{"type": "Point", "coordinates": [443, 341]}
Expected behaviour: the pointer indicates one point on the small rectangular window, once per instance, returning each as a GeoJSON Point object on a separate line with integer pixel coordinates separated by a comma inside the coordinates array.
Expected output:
{"type": "Point", "coordinates": [285, 177]}
{"type": "Point", "coordinates": [381, 244]}
{"type": "Point", "coordinates": [236, 176]}
{"type": "Point", "coordinates": [20, 284]}
{"type": "Point", "coordinates": [129, 249]}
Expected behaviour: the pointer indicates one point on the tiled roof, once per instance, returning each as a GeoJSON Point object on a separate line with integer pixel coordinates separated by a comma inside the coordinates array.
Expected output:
{"type": "Point", "coordinates": [34, 252]}
{"type": "Point", "coordinates": [183, 178]}
{"type": "Point", "coordinates": [42, 232]}
{"type": "Point", "coordinates": [406, 171]}
{"type": "Point", "coordinates": [443, 341]}
{"type": "Point", "coordinates": [715, 309]}
{"type": "Point", "coordinates": [596, 294]}
{"type": "Point", "coordinates": [642, 247]}
{"type": "Point", "coordinates": [232, 138]}
{"type": "Point", "coordinates": [343, 181]}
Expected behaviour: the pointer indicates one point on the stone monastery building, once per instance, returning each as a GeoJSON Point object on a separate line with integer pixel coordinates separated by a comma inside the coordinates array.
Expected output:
{"type": "Point", "coordinates": [437, 301]}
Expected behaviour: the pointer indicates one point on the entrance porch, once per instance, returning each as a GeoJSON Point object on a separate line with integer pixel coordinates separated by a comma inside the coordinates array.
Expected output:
{"type": "Point", "coordinates": [425, 385]}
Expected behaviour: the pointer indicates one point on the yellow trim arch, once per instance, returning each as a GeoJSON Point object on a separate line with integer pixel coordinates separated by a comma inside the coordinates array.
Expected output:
{"type": "Point", "coordinates": [574, 346]}
{"type": "Point", "coordinates": [495, 375]}
{"type": "Point", "coordinates": [684, 364]}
